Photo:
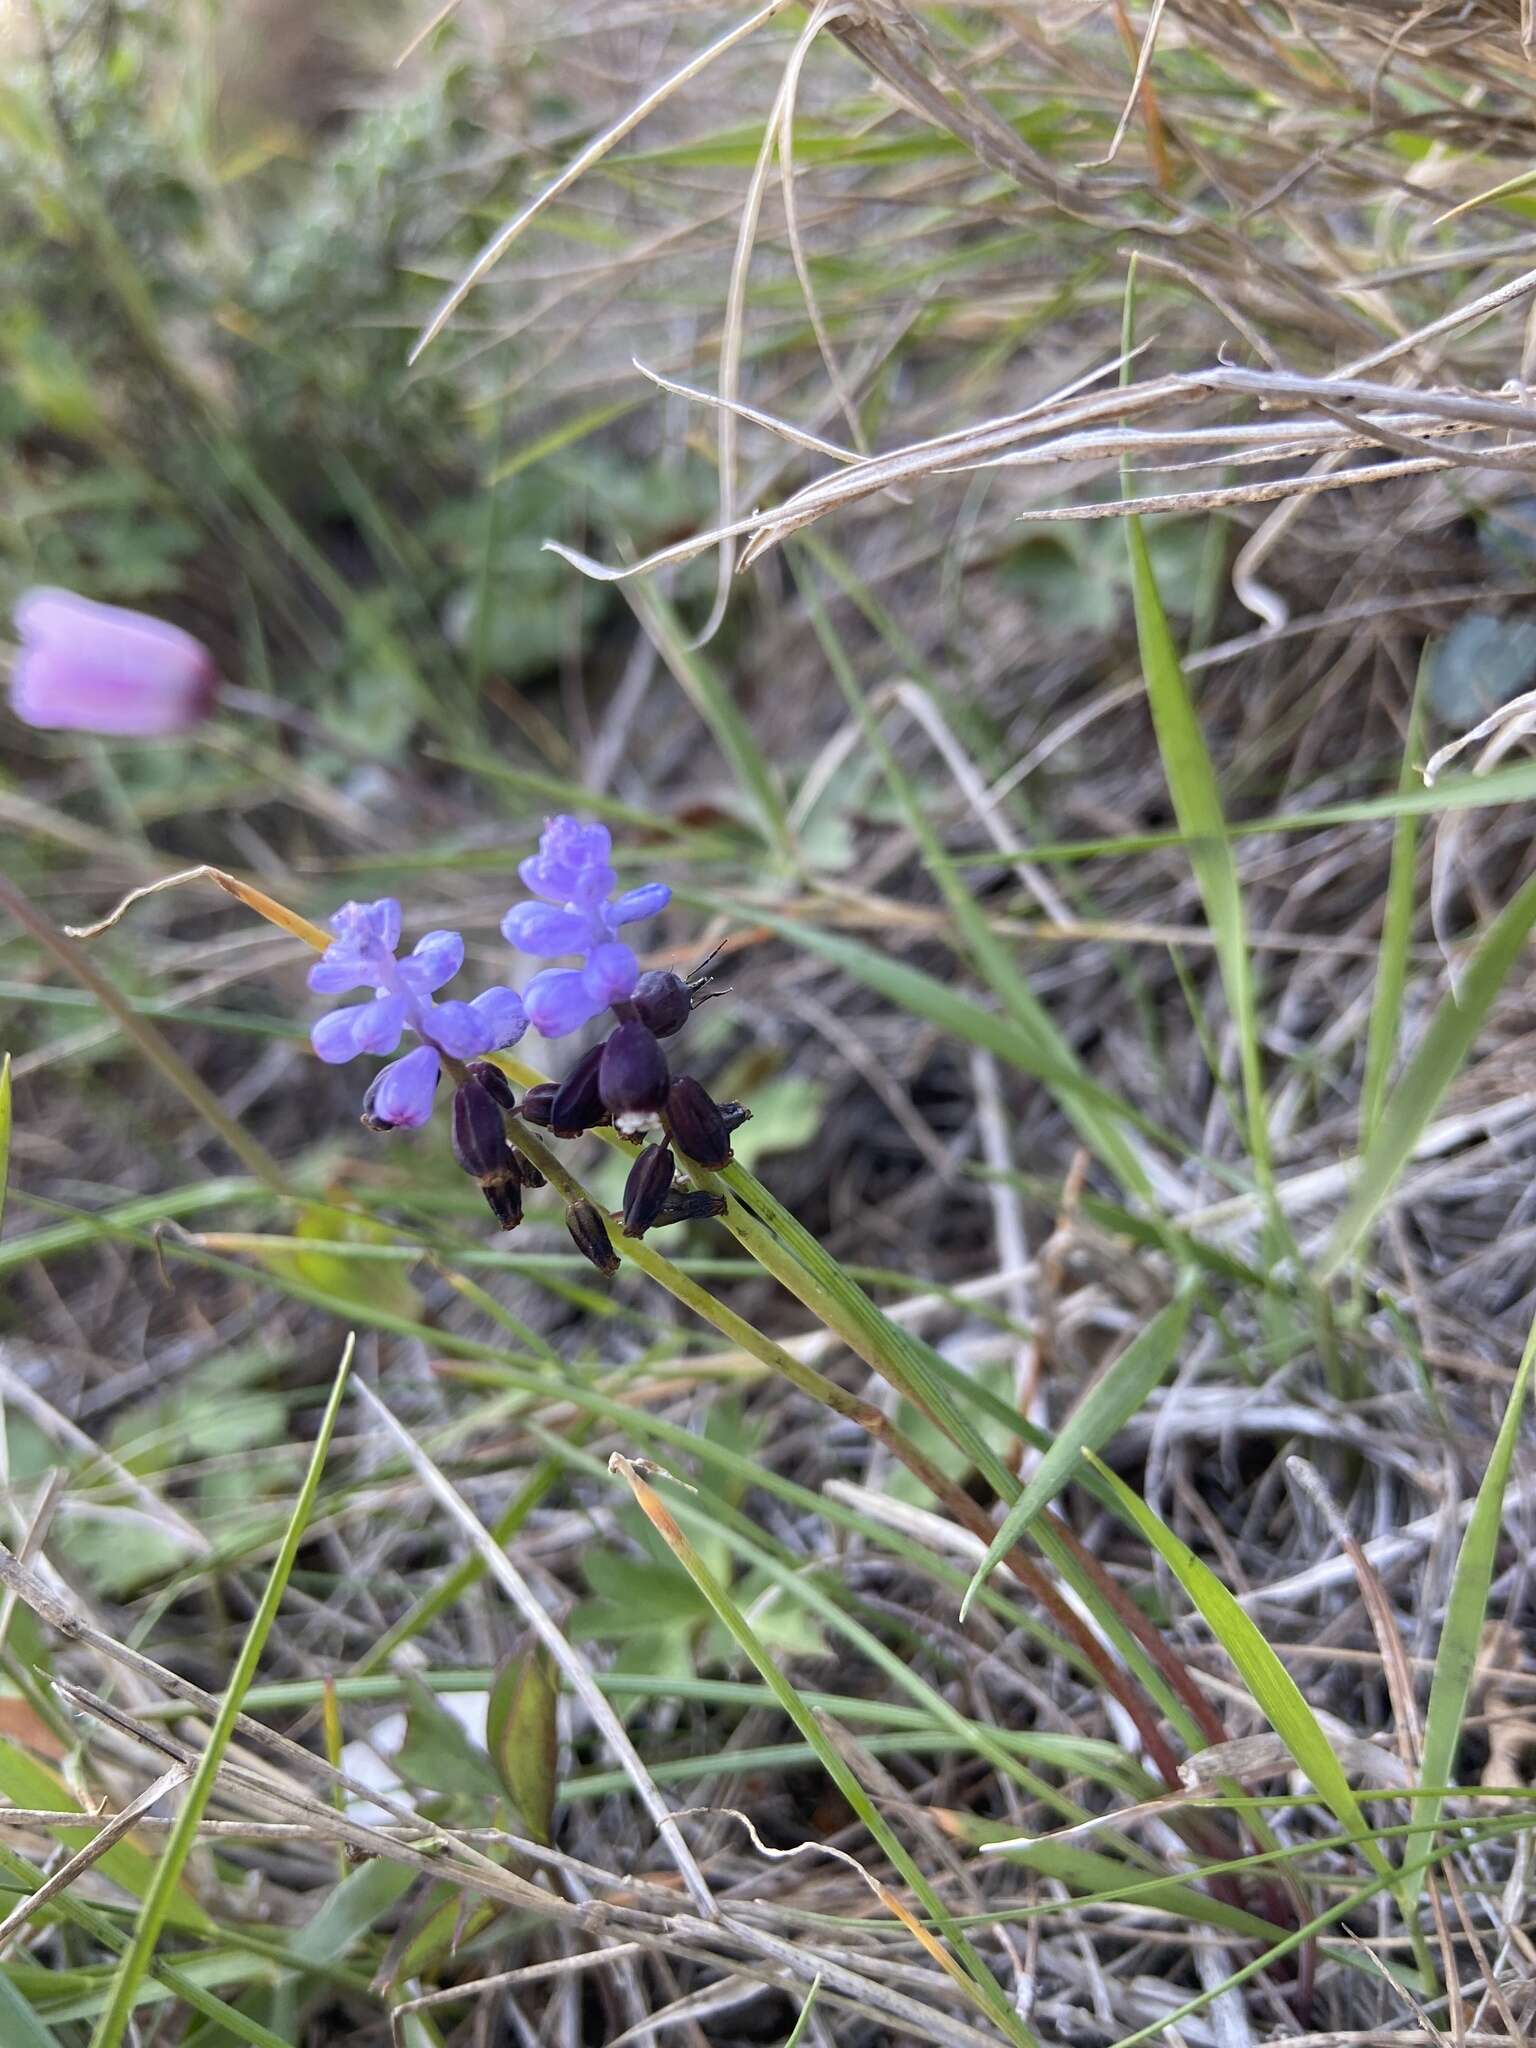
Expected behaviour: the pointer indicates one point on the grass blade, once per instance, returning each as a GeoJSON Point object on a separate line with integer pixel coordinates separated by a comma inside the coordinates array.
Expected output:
{"type": "Point", "coordinates": [713, 702]}
{"type": "Point", "coordinates": [20, 2026]}
{"type": "Point", "coordinates": [924, 995]}
{"type": "Point", "coordinates": [1396, 932]}
{"type": "Point", "coordinates": [977, 1977]}
{"type": "Point", "coordinates": [993, 960]}
{"type": "Point", "coordinates": [804, 2020]}
{"type": "Point", "coordinates": [1429, 1073]}
{"type": "Point", "coordinates": [1105, 1407]}
{"type": "Point", "coordinates": [1274, 1691]}
{"type": "Point", "coordinates": [1197, 805]}
{"type": "Point", "coordinates": [137, 1958]}
{"type": "Point", "coordinates": [1466, 1610]}
{"type": "Point", "coordinates": [5, 1129]}
{"type": "Point", "coordinates": [1514, 785]}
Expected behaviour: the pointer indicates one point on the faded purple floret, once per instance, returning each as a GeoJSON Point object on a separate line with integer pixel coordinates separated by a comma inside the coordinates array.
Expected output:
{"type": "Point", "coordinates": [578, 913]}
{"type": "Point", "coordinates": [88, 667]}
{"type": "Point", "coordinates": [361, 954]}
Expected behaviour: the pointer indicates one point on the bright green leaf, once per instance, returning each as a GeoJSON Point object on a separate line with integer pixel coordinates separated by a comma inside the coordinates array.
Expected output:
{"type": "Point", "coordinates": [1465, 1612]}
{"type": "Point", "coordinates": [1274, 1691]}
{"type": "Point", "coordinates": [1104, 1408]}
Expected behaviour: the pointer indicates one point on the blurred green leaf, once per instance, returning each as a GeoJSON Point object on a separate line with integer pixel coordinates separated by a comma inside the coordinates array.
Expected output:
{"type": "Point", "coordinates": [5, 1129]}
{"type": "Point", "coordinates": [437, 1755]}
{"type": "Point", "coordinates": [1478, 664]}
{"type": "Point", "coordinates": [523, 1736]}
{"type": "Point", "coordinates": [20, 2026]}
{"type": "Point", "coordinates": [786, 1114]}
{"type": "Point", "coordinates": [373, 1287]}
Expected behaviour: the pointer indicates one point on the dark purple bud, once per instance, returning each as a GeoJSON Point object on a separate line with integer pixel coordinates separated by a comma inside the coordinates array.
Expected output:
{"type": "Point", "coordinates": [695, 1125]}
{"type": "Point", "coordinates": [689, 1205]}
{"type": "Point", "coordinates": [650, 1181]}
{"type": "Point", "coordinates": [494, 1082]}
{"type": "Point", "coordinates": [578, 1103]}
{"type": "Point", "coordinates": [589, 1234]}
{"type": "Point", "coordinates": [662, 1001]}
{"type": "Point", "coordinates": [524, 1171]}
{"type": "Point", "coordinates": [480, 1146]}
{"type": "Point", "coordinates": [632, 1077]}
{"type": "Point", "coordinates": [505, 1197]}
{"type": "Point", "coordinates": [536, 1104]}
{"type": "Point", "coordinates": [735, 1113]}
{"type": "Point", "coordinates": [479, 1131]}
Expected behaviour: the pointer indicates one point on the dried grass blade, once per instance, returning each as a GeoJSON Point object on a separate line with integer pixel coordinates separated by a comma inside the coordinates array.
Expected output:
{"type": "Point", "coordinates": [513, 1584]}
{"type": "Point", "coordinates": [977, 1979]}
{"type": "Point", "coordinates": [493, 251]}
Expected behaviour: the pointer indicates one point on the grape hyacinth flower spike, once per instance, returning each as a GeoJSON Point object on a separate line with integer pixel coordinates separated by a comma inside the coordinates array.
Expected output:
{"type": "Point", "coordinates": [624, 1082]}
{"type": "Point", "coordinates": [361, 955]}
{"type": "Point", "coordinates": [577, 914]}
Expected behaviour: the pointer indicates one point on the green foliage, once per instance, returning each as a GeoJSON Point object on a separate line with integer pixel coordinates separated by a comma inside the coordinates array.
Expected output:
{"type": "Point", "coordinates": [205, 406]}
{"type": "Point", "coordinates": [522, 1736]}
{"type": "Point", "coordinates": [204, 400]}
{"type": "Point", "coordinates": [1465, 1613]}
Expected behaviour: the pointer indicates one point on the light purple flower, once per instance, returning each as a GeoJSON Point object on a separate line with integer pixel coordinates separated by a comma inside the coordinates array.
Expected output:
{"type": "Point", "coordinates": [87, 667]}
{"type": "Point", "coordinates": [362, 955]}
{"type": "Point", "coordinates": [577, 914]}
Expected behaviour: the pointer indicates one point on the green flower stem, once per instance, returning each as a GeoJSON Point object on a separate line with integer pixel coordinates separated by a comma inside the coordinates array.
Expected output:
{"type": "Point", "coordinates": [826, 1303]}
{"type": "Point", "coordinates": [888, 1349]}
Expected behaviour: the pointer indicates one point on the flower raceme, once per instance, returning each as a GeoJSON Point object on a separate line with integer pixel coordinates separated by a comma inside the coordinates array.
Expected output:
{"type": "Point", "coordinates": [624, 1083]}
{"type": "Point", "coordinates": [577, 912]}
{"type": "Point", "coordinates": [87, 667]}
{"type": "Point", "coordinates": [366, 937]}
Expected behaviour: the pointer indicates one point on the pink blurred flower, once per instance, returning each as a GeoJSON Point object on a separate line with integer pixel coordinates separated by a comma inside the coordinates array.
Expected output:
{"type": "Point", "coordinates": [87, 667]}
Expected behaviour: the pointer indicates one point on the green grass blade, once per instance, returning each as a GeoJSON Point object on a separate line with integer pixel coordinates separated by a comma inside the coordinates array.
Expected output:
{"type": "Point", "coordinates": [992, 958]}
{"type": "Point", "coordinates": [20, 2026]}
{"type": "Point", "coordinates": [139, 1954]}
{"type": "Point", "coordinates": [55, 1239]}
{"type": "Point", "coordinates": [926, 996]}
{"type": "Point", "coordinates": [1105, 1407]}
{"type": "Point", "coordinates": [1466, 1610]}
{"type": "Point", "coordinates": [1274, 1691]}
{"type": "Point", "coordinates": [5, 1129]}
{"type": "Point", "coordinates": [712, 700]}
{"type": "Point", "coordinates": [1513, 785]}
{"type": "Point", "coordinates": [1197, 805]}
{"type": "Point", "coordinates": [806, 2010]}
{"type": "Point", "coordinates": [987, 1990]}
{"type": "Point", "coordinates": [1092, 1874]}
{"type": "Point", "coordinates": [1396, 932]}
{"type": "Point", "coordinates": [1429, 1073]}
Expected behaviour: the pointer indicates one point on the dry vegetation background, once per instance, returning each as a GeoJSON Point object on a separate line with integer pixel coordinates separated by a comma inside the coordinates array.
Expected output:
{"type": "Point", "coordinates": [1046, 1046]}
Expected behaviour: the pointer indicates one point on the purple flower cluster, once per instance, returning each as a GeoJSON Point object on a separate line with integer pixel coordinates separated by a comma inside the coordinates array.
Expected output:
{"type": "Point", "coordinates": [577, 912]}
{"type": "Point", "coordinates": [625, 1082]}
{"type": "Point", "coordinates": [362, 955]}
